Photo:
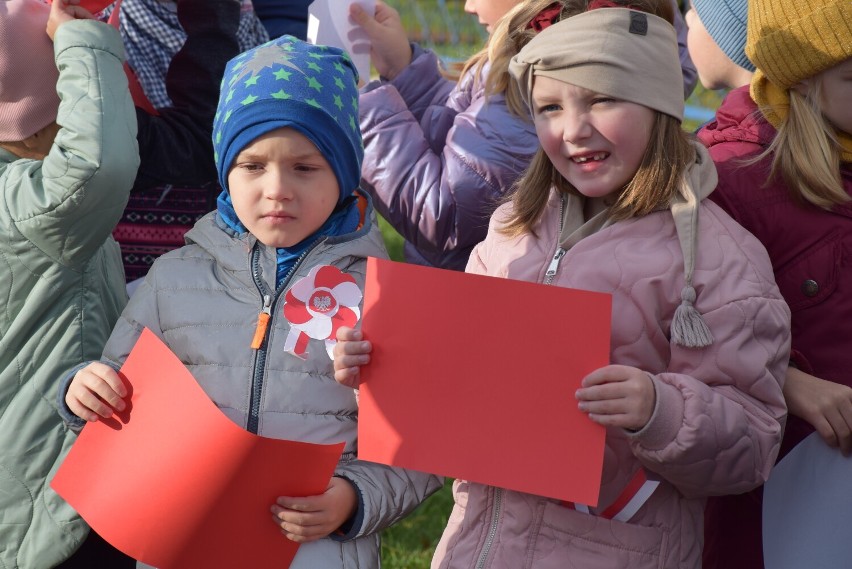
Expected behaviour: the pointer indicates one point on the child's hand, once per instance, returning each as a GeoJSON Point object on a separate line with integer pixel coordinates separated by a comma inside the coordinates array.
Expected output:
{"type": "Point", "coordinates": [826, 405]}
{"type": "Point", "coordinates": [618, 396]}
{"type": "Point", "coordinates": [62, 11]}
{"type": "Point", "coordinates": [95, 392]}
{"type": "Point", "coordinates": [314, 517]}
{"type": "Point", "coordinates": [390, 51]}
{"type": "Point", "coordinates": [350, 354]}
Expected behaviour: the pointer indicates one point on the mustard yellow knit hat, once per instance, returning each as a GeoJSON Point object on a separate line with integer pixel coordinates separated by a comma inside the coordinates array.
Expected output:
{"type": "Point", "coordinates": [791, 40]}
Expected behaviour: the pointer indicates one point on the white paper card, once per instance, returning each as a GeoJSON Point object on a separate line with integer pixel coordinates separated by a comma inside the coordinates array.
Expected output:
{"type": "Point", "coordinates": [807, 509]}
{"type": "Point", "coordinates": [329, 24]}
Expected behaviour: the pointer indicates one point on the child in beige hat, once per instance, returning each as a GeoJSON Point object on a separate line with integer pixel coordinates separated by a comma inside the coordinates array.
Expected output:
{"type": "Point", "coordinates": [614, 202]}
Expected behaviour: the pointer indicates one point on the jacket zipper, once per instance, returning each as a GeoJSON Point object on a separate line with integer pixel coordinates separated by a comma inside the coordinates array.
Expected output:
{"type": "Point", "coordinates": [262, 322]}
{"type": "Point", "coordinates": [492, 530]}
{"type": "Point", "coordinates": [261, 333]}
{"type": "Point", "coordinates": [552, 268]}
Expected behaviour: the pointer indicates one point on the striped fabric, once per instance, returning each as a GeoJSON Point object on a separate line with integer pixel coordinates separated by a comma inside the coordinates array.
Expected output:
{"type": "Point", "coordinates": [155, 221]}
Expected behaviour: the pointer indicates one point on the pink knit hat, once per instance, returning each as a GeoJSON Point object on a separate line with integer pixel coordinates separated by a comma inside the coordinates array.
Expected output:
{"type": "Point", "coordinates": [28, 74]}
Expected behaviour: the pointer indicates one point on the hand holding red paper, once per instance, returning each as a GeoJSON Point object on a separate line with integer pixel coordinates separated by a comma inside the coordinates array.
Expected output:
{"type": "Point", "coordinates": [199, 487]}
{"type": "Point", "coordinates": [350, 354]}
{"type": "Point", "coordinates": [476, 350]}
{"type": "Point", "coordinates": [96, 392]}
{"type": "Point", "coordinates": [309, 518]}
{"type": "Point", "coordinates": [618, 396]}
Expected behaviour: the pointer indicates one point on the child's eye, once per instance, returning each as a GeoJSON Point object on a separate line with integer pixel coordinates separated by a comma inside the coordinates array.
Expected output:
{"type": "Point", "coordinates": [250, 166]}
{"type": "Point", "coordinates": [547, 108]}
{"type": "Point", "coordinates": [306, 168]}
{"type": "Point", "coordinates": [603, 100]}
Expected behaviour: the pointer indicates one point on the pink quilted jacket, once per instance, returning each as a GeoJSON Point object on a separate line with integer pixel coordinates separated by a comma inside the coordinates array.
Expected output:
{"type": "Point", "coordinates": [719, 415]}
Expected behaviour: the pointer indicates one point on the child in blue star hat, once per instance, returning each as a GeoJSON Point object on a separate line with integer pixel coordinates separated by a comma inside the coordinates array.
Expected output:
{"type": "Point", "coordinates": [288, 152]}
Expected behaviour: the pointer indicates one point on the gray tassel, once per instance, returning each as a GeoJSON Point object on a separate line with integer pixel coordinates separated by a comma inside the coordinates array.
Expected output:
{"type": "Point", "coordinates": [688, 327]}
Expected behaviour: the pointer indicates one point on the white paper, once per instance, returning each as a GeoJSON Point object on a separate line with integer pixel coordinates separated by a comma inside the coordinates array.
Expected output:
{"type": "Point", "coordinates": [329, 24]}
{"type": "Point", "coordinates": [807, 509]}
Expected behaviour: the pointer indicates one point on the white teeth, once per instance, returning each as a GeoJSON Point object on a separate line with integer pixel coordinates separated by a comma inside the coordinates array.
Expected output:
{"type": "Point", "coordinates": [595, 157]}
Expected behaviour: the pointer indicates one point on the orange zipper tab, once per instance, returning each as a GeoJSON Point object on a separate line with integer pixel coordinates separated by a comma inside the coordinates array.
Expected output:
{"type": "Point", "coordinates": [262, 323]}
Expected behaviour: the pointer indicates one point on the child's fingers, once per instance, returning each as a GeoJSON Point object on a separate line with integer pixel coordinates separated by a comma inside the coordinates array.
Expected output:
{"type": "Point", "coordinates": [354, 350]}
{"type": "Point", "coordinates": [301, 534]}
{"type": "Point", "coordinates": [80, 13]}
{"type": "Point", "coordinates": [606, 374]}
{"type": "Point", "coordinates": [347, 334]}
{"type": "Point", "coordinates": [105, 382]}
{"type": "Point", "coordinates": [620, 421]}
{"type": "Point", "coordinates": [85, 400]}
{"type": "Point", "coordinates": [383, 11]}
{"type": "Point", "coordinates": [300, 519]}
{"type": "Point", "coordinates": [98, 388]}
{"type": "Point", "coordinates": [601, 392]}
{"type": "Point", "coordinates": [347, 368]}
{"type": "Point", "coordinates": [604, 407]}
{"type": "Point", "coordinates": [354, 360]}
{"type": "Point", "coordinates": [350, 377]}
{"type": "Point", "coordinates": [359, 15]}
{"type": "Point", "coordinates": [109, 376]}
{"type": "Point", "coordinates": [81, 411]}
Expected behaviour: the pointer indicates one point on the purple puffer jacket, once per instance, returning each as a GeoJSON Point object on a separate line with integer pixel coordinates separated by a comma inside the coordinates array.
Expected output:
{"type": "Point", "coordinates": [810, 252]}
{"type": "Point", "coordinates": [438, 157]}
{"type": "Point", "coordinates": [719, 412]}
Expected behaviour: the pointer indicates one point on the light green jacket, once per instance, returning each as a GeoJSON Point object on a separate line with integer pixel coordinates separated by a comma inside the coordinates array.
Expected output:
{"type": "Point", "coordinates": [61, 283]}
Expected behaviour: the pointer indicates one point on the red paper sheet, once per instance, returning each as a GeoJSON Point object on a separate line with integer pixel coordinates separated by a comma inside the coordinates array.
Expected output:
{"type": "Point", "coordinates": [93, 6]}
{"type": "Point", "coordinates": [473, 377]}
{"type": "Point", "coordinates": [177, 484]}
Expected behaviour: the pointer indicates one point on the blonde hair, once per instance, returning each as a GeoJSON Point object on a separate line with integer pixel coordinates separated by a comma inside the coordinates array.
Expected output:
{"type": "Point", "coordinates": [806, 153]}
{"type": "Point", "coordinates": [665, 161]}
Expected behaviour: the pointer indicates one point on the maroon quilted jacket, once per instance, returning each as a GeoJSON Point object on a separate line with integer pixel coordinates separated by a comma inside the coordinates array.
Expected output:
{"type": "Point", "coordinates": [811, 253]}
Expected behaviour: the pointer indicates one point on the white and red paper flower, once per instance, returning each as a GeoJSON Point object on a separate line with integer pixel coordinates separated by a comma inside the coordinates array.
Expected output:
{"type": "Point", "coordinates": [317, 305]}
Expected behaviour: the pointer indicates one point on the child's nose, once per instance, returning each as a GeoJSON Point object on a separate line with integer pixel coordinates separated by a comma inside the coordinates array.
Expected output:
{"type": "Point", "coordinates": [575, 127]}
{"type": "Point", "coordinates": [279, 187]}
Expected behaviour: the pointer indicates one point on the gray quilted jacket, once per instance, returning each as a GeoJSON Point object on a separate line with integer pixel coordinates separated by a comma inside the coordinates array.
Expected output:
{"type": "Point", "coordinates": [203, 301]}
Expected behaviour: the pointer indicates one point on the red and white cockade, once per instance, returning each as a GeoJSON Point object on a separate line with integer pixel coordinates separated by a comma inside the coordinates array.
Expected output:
{"type": "Point", "coordinates": [317, 305]}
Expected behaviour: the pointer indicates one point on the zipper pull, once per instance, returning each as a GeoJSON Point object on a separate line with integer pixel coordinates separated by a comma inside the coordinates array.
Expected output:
{"type": "Point", "coordinates": [554, 263]}
{"type": "Point", "coordinates": [262, 323]}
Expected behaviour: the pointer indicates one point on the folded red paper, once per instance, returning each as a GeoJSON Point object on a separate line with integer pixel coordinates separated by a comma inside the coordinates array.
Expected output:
{"type": "Point", "coordinates": [176, 484]}
{"type": "Point", "coordinates": [93, 6]}
{"type": "Point", "coordinates": [473, 377]}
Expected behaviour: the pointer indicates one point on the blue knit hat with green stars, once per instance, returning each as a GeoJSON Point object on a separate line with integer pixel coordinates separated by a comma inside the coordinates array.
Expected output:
{"type": "Point", "coordinates": [288, 82]}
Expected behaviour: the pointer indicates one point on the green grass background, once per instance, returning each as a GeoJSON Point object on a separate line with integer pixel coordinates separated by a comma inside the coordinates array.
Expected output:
{"type": "Point", "coordinates": [410, 543]}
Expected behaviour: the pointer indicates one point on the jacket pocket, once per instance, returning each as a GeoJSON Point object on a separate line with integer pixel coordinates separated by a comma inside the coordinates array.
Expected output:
{"type": "Point", "coordinates": [812, 277]}
{"type": "Point", "coordinates": [571, 539]}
